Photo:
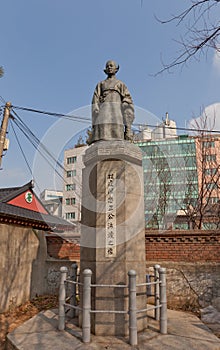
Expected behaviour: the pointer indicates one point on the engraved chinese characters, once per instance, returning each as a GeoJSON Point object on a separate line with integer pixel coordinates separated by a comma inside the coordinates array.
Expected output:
{"type": "Point", "coordinates": [110, 250]}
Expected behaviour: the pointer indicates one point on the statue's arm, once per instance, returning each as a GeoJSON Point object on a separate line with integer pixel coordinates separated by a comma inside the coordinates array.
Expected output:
{"type": "Point", "coordinates": [95, 102]}
{"type": "Point", "coordinates": [127, 104]}
{"type": "Point", "coordinates": [126, 96]}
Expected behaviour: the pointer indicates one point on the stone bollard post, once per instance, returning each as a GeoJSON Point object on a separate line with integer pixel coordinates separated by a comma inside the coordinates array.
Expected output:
{"type": "Point", "coordinates": [132, 308]}
{"type": "Point", "coordinates": [163, 301]}
{"type": "Point", "coordinates": [156, 293]}
{"type": "Point", "coordinates": [148, 287]}
{"type": "Point", "coordinates": [62, 298]}
{"type": "Point", "coordinates": [86, 319]}
{"type": "Point", "coordinates": [73, 277]}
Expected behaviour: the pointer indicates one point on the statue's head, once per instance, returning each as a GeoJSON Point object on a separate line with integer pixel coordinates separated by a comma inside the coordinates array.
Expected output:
{"type": "Point", "coordinates": [111, 65]}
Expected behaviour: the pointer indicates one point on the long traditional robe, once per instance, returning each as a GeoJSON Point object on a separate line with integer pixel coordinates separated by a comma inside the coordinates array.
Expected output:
{"type": "Point", "coordinates": [112, 108]}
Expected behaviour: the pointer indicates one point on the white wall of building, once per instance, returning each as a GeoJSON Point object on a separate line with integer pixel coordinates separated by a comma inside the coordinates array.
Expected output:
{"type": "Point", "coordinates": [72, 187]}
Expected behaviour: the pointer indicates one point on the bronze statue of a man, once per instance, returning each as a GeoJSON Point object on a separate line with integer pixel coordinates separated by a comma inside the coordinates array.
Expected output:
{"type": "Point", "coordinates": [112, 108]}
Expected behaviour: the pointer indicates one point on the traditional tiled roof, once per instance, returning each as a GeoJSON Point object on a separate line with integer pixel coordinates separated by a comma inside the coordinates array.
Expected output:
{"type": "Point", "coordinates": [4, 192]}
{"type": "Point", "coordinates": [11, 192]}
{"type": "Point", "coordinates": [14, 209]}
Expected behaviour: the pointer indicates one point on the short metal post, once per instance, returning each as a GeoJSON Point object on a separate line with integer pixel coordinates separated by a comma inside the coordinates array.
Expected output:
{"type": "Point", "coordinates": [132, 308]}
{"type": "Point", "coordinates": [62, 298]}
{"type": "Point", "coordinates": [156, 293]}
{"type": "Point", "coordinates": [148, 287]}
{"type": "Point", "coordinates": [86, 322]}
{"type": "Point", "coordinates": [163, 301]}
{"type": "Point", "coordinates": [73, 277]}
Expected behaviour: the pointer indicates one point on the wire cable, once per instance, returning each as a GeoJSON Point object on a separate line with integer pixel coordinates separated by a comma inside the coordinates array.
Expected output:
{"type": "Point", "coordinates": [52, 114]}
{"type": "Point", "coordinates": [25, 158]}
{"type": "Point", "coordinates": [179, 128]}
{"type": "Point", "coordinates": [37, 142]}
{"type": "Point", "coordinates": [40, 147]}
{"type": "Point", "coordinates": [83, 119]}
{"type": "Point", "coordinates": [2, 99]}
{"type": "Point", "coordinates": [37, 148]}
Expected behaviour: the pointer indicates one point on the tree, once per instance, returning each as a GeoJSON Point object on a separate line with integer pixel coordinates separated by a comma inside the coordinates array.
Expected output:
{"type": "Point", "coordinates": [208, 171]}
{"type": "Point", "coordinates": [202, 31]}
{"type": "Point", "coordinates": [182, 179]}
{"type": "Point", "coordinates": [80, 142]}
{"type": "Point", "coordinates": [158, 185]}
{"type": "Point", "coordinates": [1, 72]}
{"type": "Point", "coordinates": [202, 211]}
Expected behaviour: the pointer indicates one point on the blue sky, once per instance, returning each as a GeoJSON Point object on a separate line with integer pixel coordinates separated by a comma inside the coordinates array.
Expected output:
{"type": "Point", "coordinates": [53, 53]}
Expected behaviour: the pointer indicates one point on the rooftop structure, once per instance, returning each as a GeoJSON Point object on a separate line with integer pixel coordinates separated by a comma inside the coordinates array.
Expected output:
{"type": "Point", "coordinates": [52, 201]}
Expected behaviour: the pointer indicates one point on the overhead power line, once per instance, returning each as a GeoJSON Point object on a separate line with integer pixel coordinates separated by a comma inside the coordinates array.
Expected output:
{"type": "Point", "coordinates": [179, 128]}
{"type": "Point", "coordinates": [52, 114]}
{"type": "Point", "coordinates": [3, 100]}
{"type": "Point", "coordinates": [86, 119]}
{"type": "Point", "coordinates": [19, 144]}
{"type": "Point", "coordinates": [40, 147]}
{"type": "Point", "coordinates": [37, 144]}
{"type": "Point", "coordinates": [33, 138]}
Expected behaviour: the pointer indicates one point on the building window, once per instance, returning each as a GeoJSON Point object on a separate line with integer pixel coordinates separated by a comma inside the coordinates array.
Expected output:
{"type": "Point", "coordinates": [212, 186]}
{"type": "Point", "coordinates": [70, 187]}
{"type": "Point", "coordinates": [208, 144]}
{"type": "Point", "coordinates": [210, 157]}
{"type": "Point", "coordinates": [209, 225]}
{"type": "Point", "coordinates": [70, 201]}
{"type": "Point", "coordinates": [70, 216]}
{"type": "Point", "coordinates": [190, 161]}
{"type": "Point", "coordinates": [71, 160]}
{"type": "Point", "coordinates": [211, 171]}
{"type": "Point", "coordinates": [212, 200]}
{"type": "Point", "coordinates": [71, 173]}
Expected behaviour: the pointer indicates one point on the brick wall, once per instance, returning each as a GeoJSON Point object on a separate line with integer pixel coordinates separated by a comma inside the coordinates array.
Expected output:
{"type": "Point", "coordinates": [176, 246]}
{"type": "Point", "coordinates": [60, 248]}
{"type": "Point", "coordinates": [185, 246]}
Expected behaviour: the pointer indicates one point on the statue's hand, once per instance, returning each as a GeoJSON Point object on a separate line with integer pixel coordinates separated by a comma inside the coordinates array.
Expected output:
{"type": "Point", "coordinates": [95, 112]}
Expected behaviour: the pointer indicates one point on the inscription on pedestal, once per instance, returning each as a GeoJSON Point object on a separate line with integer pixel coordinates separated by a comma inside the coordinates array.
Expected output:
{"type": "Point", "coordinates": [110, 247]}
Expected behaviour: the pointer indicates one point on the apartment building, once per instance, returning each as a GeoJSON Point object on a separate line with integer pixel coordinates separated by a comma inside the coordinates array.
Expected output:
{"type": "Point", "coordinates": [181, 178]}
{"type": "Point", "coordinates": [208, 166]}
{"type": "Point", "coordinates": [72, 187]}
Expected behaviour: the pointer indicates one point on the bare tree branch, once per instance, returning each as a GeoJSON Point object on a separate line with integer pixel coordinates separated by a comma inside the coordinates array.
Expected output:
{"type": "Point", "coordinates": [202, 32]}
{"type": "Point", "coordinates": [1, 72]}
{"type": "Point", "coordinates": [208, 176]}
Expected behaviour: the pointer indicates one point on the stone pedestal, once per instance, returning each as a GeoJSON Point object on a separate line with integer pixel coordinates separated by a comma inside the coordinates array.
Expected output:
{"type": "Point", "coordinates": [113, 230]}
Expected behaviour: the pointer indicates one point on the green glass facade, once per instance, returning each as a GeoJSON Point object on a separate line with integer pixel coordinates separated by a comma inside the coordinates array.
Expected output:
{"type": "Point", "coordinates": [170, 179]}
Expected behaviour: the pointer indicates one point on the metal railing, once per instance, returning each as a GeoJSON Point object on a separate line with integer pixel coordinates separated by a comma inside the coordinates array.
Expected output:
{"type": "Point", "coordinates": [159, 307]}
{"type": "Point", "coordinates": [71, 301]}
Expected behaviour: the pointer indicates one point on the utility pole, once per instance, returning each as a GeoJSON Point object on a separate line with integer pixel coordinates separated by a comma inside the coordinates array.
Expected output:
{"type": "Point", "coordinates": [3, 129]}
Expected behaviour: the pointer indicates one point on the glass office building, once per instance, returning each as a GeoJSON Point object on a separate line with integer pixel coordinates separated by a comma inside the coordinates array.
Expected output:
{"type": "Point", "coordinates": [170, 179]}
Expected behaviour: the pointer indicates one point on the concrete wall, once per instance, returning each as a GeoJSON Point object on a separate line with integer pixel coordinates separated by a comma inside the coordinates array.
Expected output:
{"type": "Point", "coordinates": [19, 249]}
{"type": "Point", "coordinates": [191, 286]}
{"type": "Point", "coordinates": [25, 268]}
